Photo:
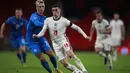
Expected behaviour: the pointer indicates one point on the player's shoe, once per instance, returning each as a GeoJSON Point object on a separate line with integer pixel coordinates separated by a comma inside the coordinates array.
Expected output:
{"type": "Point", "coordinates": [105, 60]}
{"type": "Point", "coordinates": [58, 71]}
{"type": "Point", "coordinates": [24, 65]}
{"type": "Point", "coordinates": [110, 67]}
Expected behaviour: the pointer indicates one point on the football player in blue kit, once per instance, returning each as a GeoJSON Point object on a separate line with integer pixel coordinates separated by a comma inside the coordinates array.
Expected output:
{"type": "Point", "coordinates": [40, 45]}
{"type": "Point", "coordinates": [16, 24]}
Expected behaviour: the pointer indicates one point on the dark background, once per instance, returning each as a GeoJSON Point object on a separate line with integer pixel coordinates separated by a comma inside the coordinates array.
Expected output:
{"type": "Point", "coordinates": [79, 11]}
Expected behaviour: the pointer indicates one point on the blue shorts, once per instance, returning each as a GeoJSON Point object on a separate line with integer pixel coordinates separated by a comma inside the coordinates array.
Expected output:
{"type": "Point", "coordinates": [18, 42]}
{"type": "Point", "coordinates": [39, 47]}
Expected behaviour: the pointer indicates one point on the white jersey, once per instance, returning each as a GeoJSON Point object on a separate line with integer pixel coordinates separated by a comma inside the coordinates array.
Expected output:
{"type": "Point", "coordinates": [57, 28]}
{"type": "Point", "coordinates": [102, 25]}
{"type": "Point", "coordinates": [116, 28]}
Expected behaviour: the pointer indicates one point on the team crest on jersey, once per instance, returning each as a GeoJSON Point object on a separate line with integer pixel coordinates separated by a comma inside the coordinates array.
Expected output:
{"type": "Point", "coordinates": [55, 25]}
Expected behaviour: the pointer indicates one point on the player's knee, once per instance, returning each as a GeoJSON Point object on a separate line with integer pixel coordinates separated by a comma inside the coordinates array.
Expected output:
{"type": "Point", "coordinates": [64, 64]}
{"type": "Point", "coordinates": [97, 50]}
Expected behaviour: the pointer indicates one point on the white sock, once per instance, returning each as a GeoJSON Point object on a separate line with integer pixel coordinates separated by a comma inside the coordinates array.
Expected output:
{"type": "Point", "coordinates": [110, 59]}
{"type": "Point", "coordinates": [71, 67]}
{"type": "Point", "coordinates": [79, 63]}
{"type": "Point", "coordinates": [114, 54]}
{"type": "Point", "coordinates": [101, 53]}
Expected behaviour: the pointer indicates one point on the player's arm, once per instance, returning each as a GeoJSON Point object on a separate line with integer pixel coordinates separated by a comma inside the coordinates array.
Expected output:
{"type": "Point", "coordinates": [123, 31]}
{"type": "Point", "coordinates": [35, 20]}
{"type": "Point", "coordinates": [42, 32]}
{"type": "Point", "coordinates": [8, 21]}
{"type": "Point", "coordinates": [92, 30]}
{"type": "Point", "coordinates": [77, 28]}
{"type": "Point", "coordinates": [2, 30]}
{"type": "Point", "coordinates": [108, 28]}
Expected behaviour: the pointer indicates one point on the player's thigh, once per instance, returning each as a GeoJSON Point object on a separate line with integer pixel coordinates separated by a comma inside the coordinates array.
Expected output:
{"type": "Point", "coordinates": [21, 42]}
{"type": "Point", "coordinates": [61, 54]}
{"type": "Point", "coordinates": [35, 49]}
{"type": "Point", "coordinates": [45, 47]}
{"type": "Point", "coordinates": [116, 42]}
{"type": "Point", "coordinates": [98, 46]}
{"type": "Point", "coordinates": [107, 47]}
{"type": "Point", "coordinates": [14, 44]}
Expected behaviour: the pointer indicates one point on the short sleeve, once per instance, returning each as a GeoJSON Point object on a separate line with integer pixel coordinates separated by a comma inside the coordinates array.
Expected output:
{"type": "Point", "coordinates": [121, 22]}
{"type": "Point", "coordinates": [8, 21]}
{"type": "Point", "coordinates": [68, 23]}
{"type": "Point", "coordinates": [93, 24]}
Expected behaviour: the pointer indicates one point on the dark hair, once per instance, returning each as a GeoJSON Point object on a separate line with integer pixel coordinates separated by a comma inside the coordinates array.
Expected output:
{"type": "Point", "coordinates": [56, 5]}
{"type": "Point", "coordinates": [116, 13]}
{"type": "Point", "coordinates": [19, 9]}
{"type": "Point", "coordinates": [99, 12]}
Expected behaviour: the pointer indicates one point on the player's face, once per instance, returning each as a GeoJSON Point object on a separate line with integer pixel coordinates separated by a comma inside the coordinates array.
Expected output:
{"type": "Point", "coordinates": [116, 16]}
{"type": "Point", "coordinates": [99, 17]}
{"type": "Point", "coordinates": [56, 12]}
{"type": "Point", "coordinates": [18, 13]}
{"type": "Point", "coordinates": [40, 7]}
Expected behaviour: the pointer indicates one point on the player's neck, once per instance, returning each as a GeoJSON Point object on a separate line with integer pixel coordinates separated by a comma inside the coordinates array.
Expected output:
{"type": "Point", "coordinates": [40, 13]}
{"type": "Point", "coordinates": [18, 18]}
{"type": "Point", "coordinates": [56, 18]}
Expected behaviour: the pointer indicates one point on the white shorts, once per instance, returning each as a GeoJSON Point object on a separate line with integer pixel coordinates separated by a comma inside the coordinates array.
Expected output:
{"type": "Point", "coordinates": [60, 48]}
{"type": "Point", "coordinates": [116, 41]}
{"type": "Point", "coordinates": [104, 44]}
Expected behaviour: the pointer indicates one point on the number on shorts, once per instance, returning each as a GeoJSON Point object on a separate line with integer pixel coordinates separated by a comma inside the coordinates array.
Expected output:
{"type": "Point", "coordinates": [66, 45]}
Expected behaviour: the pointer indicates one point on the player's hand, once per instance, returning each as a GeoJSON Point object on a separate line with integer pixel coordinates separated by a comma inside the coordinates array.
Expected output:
{"type": "Point", "coordinates": [1, 36]}
{"type": "Point", "coordinates": [34, 36]}
{"type": "Point", "coordinates": [88, 37]}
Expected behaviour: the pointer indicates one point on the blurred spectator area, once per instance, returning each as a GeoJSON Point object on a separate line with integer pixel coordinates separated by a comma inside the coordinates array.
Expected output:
{"type": "Point", "coordinates": [81, 12]}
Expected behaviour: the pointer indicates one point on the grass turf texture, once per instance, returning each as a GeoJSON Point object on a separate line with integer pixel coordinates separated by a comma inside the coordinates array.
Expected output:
{"type": "Point", "coordinates": [94, 63]}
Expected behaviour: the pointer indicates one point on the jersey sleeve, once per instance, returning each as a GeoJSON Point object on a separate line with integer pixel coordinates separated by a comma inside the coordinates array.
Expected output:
{"type": "Point", "coordinates": [68, 23]}
{"type": "Point", "coordinates": [25, 22]}
{"type": "Point", "coordinates": [107, 24]}
{"type": "Point", "coordinates": [8, 21]}
{"type": "Point", "coordinates": [122, 23]}
{"type": "Point", "coordinates": [44, 28]}
{"type": "Point", "coordinates": [34, 19]}
{"type": "Point", "coordinates": [93, 24]}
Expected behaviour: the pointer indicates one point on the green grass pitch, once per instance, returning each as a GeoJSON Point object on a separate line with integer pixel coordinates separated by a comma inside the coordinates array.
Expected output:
{"type": "Point", "coordinates": [94, 64]}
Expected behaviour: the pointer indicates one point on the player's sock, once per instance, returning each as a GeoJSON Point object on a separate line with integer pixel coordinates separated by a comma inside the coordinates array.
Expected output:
{"type": "Point", "coordinates": [71, 67]}
{"type": "Point", "coordinates": [78, 63]}
{"type": "Point", "coordinates": [24, 57]}
{"type": "Point", "coordinates": [114, 54]}
{"type": "Point", "coordinates": [19, 56]}
{"type": "Point", "coordinates": [53, 61]}
{"type": "Point", "coordinates": [110, 60]}
{"type": "Point", "coordinates": [46, 66]}
{"type": "Point", "coordinates": [101, 53]}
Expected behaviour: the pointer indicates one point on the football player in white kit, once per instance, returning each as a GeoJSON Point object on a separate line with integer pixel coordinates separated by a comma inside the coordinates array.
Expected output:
{"type": "Point", "coordinates": [57, 26]}
{"type": "Point", "coordinates": [117, 34]}
{"type": "Point", "coordinates": [103, 42]}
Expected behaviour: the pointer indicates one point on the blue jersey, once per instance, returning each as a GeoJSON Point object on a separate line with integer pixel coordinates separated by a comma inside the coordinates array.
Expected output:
{"type": "Point", "coordinates": [34, 26]}
{"type": "Point", "coordinates": [16, 26]}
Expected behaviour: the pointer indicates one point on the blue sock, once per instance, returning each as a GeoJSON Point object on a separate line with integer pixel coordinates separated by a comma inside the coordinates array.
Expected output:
{"type": "Point", "coordinates": [46, 66]}
{"type": "Point", "coordinates": [24, 57]}
{"type": "Point", "coordinates": [53, 61]}
{"type": "Point", "coordinates": [19, 57]}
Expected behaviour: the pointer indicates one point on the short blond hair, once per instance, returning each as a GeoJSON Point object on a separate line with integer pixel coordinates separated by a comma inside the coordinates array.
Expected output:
{"type": "Point", "coordinates": [39, 1]}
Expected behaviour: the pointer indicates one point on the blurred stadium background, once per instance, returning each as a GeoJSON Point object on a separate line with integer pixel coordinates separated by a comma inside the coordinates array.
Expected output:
{"type": "Point", "coordinates": [80, 12]}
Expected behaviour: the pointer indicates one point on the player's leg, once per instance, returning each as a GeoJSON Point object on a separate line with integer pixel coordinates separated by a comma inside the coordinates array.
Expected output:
{"type": "Point", "coordinates": [114, 53]}
{"type": "Point", "coordinates": [47, 49]}
{"type": "Point", "coordinates": [70, 53]}
{"type": "Point", "coordinates": [107, 49]}
{"type": "Point", "coordinates": [98, 49]}
{"type": "Point", "coordinates": [15, 45]}
{"type": "Point", "coordinates": [38, 53]}
{"type": "Point", "coordinates": [61, 54]}
{"type": "Point", "coordinates": [22, 49]}
{"type": "Point", "coordinates": [78, 62]}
